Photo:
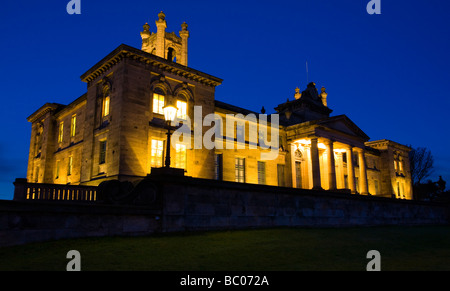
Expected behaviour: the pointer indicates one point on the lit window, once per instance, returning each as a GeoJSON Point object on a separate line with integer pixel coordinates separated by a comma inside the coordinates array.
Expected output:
{"type": "Point", "coordinates": [73, 126]}
{"type": "Point", "coordinates": [70, 166]}
{"type": "Point", "coordinates": [61, 132]}
{"type": "Point", "coordinates": [157, 150]}
{"type": "Point", "coordinates": [182, 110]}
{"type": "Point", "coordinates": [106, 104]}
{"type": "Point", "coordinates": [180, 158]}
{"type": "Point", "coordinates": [240, 170]}
{"type": "Point", "coordinates": [158, 103]}
{"type": "Point", "coordinates": [261, 173]}
{"type": "Point", "coordinates": [102, 157]}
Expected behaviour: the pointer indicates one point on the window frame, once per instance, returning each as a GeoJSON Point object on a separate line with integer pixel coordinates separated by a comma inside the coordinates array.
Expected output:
{"type": "Point", "coordinates": [181, 159]}
{"type": "Point", "coordinates": [182, 113]}
{"type": "Point", "coordinates": [73, 126]}
{"type": "Point", "coordinates": [158, 104]}
{"type": "Point", "coordinates": [106, 106]}
{"type": "Point", "coordinates": [281, 175]}
{"type": "Point", "coordinates": [262, 173]}
{"type": "Point", "coordinates": [103, 145]}
{"type": "Point", "coordinates": [61, 132]}
{"type": "Point", "coordinates": [239, 169]}
{"type": "Point", "coordinates": [106, 102]}
{"type": "Point", "coordinates": [218, 166]}
{"type": "Point", "coordinates": [156, 161]}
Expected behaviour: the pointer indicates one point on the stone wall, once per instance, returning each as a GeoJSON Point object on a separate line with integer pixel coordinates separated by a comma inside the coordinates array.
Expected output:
{"type": "Point", "coordinates": [26, 222]}
{"type": "Point", "coordinates": [189, 204]}
{"type": "Point", "coordinates": [195, 204]}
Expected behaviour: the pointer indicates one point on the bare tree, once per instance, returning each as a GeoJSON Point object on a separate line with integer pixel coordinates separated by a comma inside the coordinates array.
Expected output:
{"type": "Point", "coordinates": [421, 162]}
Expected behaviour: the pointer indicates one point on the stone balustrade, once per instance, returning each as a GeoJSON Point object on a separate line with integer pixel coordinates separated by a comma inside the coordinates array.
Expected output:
{"type": "Point", "coordinates": [25, 191]}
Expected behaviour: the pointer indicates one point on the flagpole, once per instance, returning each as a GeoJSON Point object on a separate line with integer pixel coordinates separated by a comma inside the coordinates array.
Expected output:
{"type": "Point", "coordinates": [307, 73]}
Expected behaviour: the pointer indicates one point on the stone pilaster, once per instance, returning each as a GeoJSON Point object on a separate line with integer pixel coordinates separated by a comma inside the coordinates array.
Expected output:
{"type": "Point", "coordinates": [315, 164]}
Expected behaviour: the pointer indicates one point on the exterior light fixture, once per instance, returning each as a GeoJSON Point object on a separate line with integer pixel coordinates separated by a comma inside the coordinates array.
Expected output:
{"type": "Point", "coordinates": [170, 114]}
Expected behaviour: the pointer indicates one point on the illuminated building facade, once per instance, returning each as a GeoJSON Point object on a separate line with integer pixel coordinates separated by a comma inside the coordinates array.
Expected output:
{"type": "Point", "coordinates": [117, 130]}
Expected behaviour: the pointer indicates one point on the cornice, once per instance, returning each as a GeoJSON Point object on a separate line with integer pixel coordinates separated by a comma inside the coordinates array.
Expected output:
{"type": "Point", "coordinates": [48, 107]}
{"type": "Point", "coordinates": [388, 143]}
{"type": "Point", "coordinates": [127, 52]}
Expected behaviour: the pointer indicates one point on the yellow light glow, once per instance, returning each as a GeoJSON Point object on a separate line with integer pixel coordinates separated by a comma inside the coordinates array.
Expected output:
{"type": "Point", "coordinates": [182, 110]}
{"type": "Point", "coordinates": [106, 102]}
{"type": "Point", "coordinates": [304, 143]}
{"type": "Point", "coordinates": [340, 150]}
{"type": "Point", "coordinates": [170, 112]}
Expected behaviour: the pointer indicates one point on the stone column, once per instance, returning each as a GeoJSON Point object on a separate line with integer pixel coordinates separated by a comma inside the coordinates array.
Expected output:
{"type": "Point", "coordinates": [362, 172]}
{"type": "Point", "coordinates": [315, 164]}
{"type": "Point", "coordinates": [331, 165]}
{"type": "Point", "coordinates": [351, 170]}
{"type": "Point", "coordinates": [339, 171]}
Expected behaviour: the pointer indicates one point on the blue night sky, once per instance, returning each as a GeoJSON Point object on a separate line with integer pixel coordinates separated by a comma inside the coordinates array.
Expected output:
{"type": "Point", "coordinates": [388, 73]}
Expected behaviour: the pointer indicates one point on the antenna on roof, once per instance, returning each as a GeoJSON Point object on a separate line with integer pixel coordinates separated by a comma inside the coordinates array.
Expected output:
{"type": "Point", "coordinates": [307, 73]}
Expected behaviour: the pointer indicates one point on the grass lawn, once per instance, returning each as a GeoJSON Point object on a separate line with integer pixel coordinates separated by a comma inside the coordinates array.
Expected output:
{"type": "Point", "coordinates": [401, 249]}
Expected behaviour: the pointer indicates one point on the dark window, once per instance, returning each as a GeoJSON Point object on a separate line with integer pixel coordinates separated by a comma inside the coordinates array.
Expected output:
{"type": "Point", "coordinates": [219, 167]}
{"type": "Point", "coordinates": [261, 173]}
{"type": "Point", "coordinates": [102, 159]}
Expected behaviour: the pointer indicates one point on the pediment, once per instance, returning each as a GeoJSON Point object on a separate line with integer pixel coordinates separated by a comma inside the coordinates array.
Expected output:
{"type": "Point", "coordinates": [343, 124]}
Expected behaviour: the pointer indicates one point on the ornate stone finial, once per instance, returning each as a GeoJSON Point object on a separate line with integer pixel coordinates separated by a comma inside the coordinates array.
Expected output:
{"type": "Point", "coordinates": [161, 16]}
{"type": "Point", "coordinates": [297, 95]}
{"type": "Point", "coordinates": [145, 35]}
{"type": "Point", "coordinates": [184, 26]}
{"type": "Point", "coordinates": [263, 110]}
{"type": "Point", "coordinates": [146, 27]}
{"type": "Point", "coordinates": [323, 96]}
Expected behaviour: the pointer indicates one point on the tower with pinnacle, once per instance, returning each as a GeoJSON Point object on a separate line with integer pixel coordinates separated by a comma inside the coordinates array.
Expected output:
{"type": "Point", "coordinates": [164, 44]}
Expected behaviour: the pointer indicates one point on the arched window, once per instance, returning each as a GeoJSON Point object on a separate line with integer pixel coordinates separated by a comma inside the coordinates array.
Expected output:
{"type": "Point", "coordinates": [182, 107]}
{"type": "Point", "coordinates": [158, 100]}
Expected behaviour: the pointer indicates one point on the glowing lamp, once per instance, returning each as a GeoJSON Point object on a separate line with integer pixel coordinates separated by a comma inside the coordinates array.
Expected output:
{"type": "Point", "coordinates": [170, 113]}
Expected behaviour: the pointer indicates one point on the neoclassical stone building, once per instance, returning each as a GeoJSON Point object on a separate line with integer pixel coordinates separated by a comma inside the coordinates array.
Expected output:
{"type": "Point", "coordinates": [117, 130]}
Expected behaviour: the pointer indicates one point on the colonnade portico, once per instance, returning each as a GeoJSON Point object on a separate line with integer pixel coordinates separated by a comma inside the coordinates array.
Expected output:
{"type": "Point", "coordinates": [314, 167]}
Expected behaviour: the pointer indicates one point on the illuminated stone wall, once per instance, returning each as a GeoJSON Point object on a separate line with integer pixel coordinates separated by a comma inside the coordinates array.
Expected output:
{"type": "Point", "coordinates": [116, 125]}
{"type": "Point", "coordinates": [128, 82]}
